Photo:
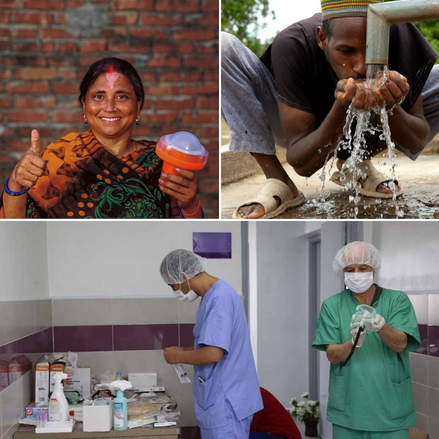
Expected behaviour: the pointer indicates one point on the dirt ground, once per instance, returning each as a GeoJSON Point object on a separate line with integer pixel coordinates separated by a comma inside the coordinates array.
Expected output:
{"type": "Point", "coordinates": [419, 179]}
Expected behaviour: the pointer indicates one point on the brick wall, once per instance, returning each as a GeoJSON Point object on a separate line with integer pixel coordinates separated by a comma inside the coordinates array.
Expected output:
{"type": "Point", "coordinates": [46, 46]}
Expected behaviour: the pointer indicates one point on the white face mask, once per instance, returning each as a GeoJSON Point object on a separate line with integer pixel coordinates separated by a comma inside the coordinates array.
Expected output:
{"type": "Point", "coordinates": [358, 282]}
{"type": "Point", "coordinates": [191, 296]}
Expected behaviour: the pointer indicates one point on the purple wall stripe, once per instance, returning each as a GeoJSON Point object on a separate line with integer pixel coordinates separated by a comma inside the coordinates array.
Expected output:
{"type": "Point", "coordinates": [144, 337]}
{"type": "Point", "coordinates": [433, 341]}
{"type": "Point", "coordinates": [121, 337]}
{"type": "Point", "coordinates": [83, 338]}
{"type": "Point", "coordinates": [423, 332]}
{"type": "Point", "coordinates": [187, 335]}
{"type": "Point", "coordinates": [213, 245]}
{"type": "Point", "coordinates": [40, 342]}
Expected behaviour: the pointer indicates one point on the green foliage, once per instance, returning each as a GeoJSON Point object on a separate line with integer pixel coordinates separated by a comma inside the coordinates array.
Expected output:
{"type": "Point", "coordinates": [430, 30]}
{"type": "Point", "coordinates": [241, 18]}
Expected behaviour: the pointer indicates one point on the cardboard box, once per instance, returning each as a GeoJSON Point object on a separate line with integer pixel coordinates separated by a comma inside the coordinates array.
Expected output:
{"type": "Point", "coordinates": [80, 380]}
{"type": "Point", "coordinates": [98, 417]}
{"type": "Point", "coordinates": [53, 369]}
{"type": "Point", "coordinates": [42, 381]}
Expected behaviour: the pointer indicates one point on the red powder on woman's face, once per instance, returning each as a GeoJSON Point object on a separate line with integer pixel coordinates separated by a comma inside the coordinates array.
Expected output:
{"type": "Point", "coordinates": [112, 76]}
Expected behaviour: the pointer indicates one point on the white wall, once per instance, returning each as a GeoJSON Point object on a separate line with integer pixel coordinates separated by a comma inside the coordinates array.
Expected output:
{"type": "Point", "coordinates": [282, 308]}
{"type": "Point", "coordinates": [332, 236]}
{"type": "Point", "coordinates": [410, 254]}
{"type": "Point", "coordinates": [23, 261]}
{"type": "Point", "coordinates": [312, 225]}
{"type": "Point", "coordinates": [122, 258]}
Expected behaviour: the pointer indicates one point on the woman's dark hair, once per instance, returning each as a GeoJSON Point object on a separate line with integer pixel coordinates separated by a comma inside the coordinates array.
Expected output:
{"type": "Point", "coordinates": [116, 65]}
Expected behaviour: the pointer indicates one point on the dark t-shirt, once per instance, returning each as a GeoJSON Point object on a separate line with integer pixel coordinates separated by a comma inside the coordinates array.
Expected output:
{"type": "Point", "coordinates": [274, 418]}
{"type": "Point", "coordinates": [305, 80]}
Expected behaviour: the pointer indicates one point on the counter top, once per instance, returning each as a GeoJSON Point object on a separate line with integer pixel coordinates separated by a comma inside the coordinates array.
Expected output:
{"type": "Point", "coordinates": [28, 432]}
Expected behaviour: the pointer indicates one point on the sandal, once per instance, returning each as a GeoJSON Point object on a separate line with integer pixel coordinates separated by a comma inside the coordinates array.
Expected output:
{"type": "Point", "coordinates": [369, 186]}
{"type": "Point", "coordinates": [273, 188]}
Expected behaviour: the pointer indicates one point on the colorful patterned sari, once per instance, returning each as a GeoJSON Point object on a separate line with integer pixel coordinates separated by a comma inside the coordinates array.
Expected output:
{"type": "Point", "coordinates": [84, 180]}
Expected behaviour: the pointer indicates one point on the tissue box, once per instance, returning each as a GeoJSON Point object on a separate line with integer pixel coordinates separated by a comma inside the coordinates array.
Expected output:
{"type": "Point", "coordinates": [36, 408]}
{"type": "Point", "coordinates": [97, 417]}
{"type": "Point", "coordinates": [80, 380]}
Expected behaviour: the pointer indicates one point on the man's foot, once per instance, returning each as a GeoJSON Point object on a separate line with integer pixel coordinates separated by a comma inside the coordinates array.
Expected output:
{"type": "Point", "coordinates": [274, 198]}
{"type": "Point", "coordinates": [383, 188]}
{"type": "Point", "coordinates": [255, 210]}
{"type": "Point", "coordinates": [278, 194]}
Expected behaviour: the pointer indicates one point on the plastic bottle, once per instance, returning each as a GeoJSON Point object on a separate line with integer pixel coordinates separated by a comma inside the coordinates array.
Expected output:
{"type": "Point", "coordinates": [182, 150]}
{"type": "Point", "coordinates": [58, 407]}
{"type": "Point", "coordinates": [120, 412]}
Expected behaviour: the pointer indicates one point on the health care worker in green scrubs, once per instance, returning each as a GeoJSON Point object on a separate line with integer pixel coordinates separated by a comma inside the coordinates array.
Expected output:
{"type": "Point", "coordinates": [371, 396]}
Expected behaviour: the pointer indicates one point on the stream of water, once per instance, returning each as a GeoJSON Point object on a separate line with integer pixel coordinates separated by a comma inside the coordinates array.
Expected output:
{"type": "Point", "coordinates": [361, 128]}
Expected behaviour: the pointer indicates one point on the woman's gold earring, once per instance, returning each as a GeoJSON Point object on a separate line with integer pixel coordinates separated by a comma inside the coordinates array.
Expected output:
{"type": "Point", "coordinates": [85, 120]}
{"type": "Point", "coordinates": [138, 121]}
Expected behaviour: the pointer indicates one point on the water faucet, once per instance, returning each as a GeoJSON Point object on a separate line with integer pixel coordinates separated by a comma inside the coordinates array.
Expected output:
{"type": "Point", "coordinates": [381, 16]}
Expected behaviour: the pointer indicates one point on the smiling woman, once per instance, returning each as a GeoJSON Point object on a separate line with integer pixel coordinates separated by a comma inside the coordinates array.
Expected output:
{"type": "Point", "coordinates": [104, 172]}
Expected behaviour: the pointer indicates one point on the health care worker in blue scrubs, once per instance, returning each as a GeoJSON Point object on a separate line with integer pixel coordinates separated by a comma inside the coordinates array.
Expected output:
{"type": "Point", "coordinates": [371, 396]}
{"type": "Point", "coordinates": [225, 385]}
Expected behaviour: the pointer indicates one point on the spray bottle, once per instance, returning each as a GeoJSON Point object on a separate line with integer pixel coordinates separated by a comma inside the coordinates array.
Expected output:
{"type": "Point", "coordinates": [364, 313]}
{"type": "Point", "coordinates": [58, 407]}
{"type": "Point", "coordinates": [120, 421]}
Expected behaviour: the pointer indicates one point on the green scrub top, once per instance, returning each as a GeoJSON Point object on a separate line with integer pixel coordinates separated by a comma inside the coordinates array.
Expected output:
{"type": "Point", "coordinates": [373, 392]}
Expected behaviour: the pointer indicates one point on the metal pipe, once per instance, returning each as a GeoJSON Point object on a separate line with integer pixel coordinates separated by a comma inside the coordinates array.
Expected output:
{"type": "Point", "coordinates": [381, 16]}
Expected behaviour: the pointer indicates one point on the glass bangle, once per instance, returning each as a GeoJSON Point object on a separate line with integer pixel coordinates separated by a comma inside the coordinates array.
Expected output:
{"type": "Point", "coordinates": [12, 193]}
{"type": "Point", "coordinates": [202, 213]}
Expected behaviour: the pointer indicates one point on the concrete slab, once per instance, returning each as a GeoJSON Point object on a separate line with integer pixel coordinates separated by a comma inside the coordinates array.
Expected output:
{"type": "Point", "coordinates": [241, 178]}
{"type": "Point", "coordinates": [419, 179]}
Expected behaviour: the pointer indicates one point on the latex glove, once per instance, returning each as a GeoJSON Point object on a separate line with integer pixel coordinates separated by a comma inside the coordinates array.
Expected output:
{"type": "Point", "coordinates": [354, 330]}
{"type": "Point", "coordinates": [376, 325]}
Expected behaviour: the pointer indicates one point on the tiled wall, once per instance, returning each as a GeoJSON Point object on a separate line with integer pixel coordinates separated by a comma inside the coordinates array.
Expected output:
{"type": "Point", "coordinates": [128, 335]}
{"type": "Point", "coordinates": [425, 363]}
{"type": "Point", "coordinates": [25, 329]}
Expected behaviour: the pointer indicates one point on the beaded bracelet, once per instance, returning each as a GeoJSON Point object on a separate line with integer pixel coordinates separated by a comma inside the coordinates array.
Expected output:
{"type": "Point", "coordinates": [12, 193]}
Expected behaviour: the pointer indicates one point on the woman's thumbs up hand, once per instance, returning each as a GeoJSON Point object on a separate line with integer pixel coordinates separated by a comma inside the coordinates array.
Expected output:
{"type": "Point", "coordinates": [30, 168]}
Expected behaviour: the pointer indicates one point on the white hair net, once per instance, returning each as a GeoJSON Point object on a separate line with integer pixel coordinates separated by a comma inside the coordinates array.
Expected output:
{"type": "Point", "coordinates": [357, 252]}
{"type": "Point", "coordinates": [180, 266]}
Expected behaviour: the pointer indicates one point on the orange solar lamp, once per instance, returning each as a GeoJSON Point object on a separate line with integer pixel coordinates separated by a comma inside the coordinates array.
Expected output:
{"type": "Point", "coordinates": [181, 150]}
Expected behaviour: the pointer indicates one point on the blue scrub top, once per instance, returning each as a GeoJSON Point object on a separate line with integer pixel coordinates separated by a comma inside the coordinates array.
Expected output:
{"type": "Point", "coordinates": [373, 391]}
{"type": "Point", "coordinates": [232, 382]}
